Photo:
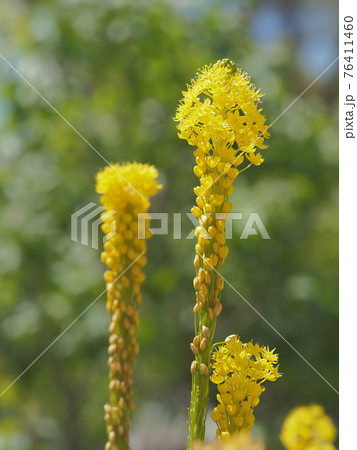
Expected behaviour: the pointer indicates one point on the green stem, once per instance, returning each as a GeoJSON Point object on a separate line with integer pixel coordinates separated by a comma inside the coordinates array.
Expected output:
{"type": "Point", "coordinates": [198, 407]}
{"type": "Point", "coordinates": [207, 320]}
{"type": "Point", "coordinates": [200, 381]}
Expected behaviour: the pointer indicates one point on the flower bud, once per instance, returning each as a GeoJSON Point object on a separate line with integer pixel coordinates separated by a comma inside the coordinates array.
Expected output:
{"type": "Point", "coordinates": [194, 366]}
{"type": "Point", "coordinates": [205, 331]}
{"type": "Point", "coordinates": [204, 369]}
{"type": "Point", "coordinates": [194, 349]}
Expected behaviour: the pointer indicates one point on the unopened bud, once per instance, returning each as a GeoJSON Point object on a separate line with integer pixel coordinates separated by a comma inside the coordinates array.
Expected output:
{"type": "Point", "coordinates": [221, 224]}
{"type": "Point", "coordinates": [200, 297]}
{"type": "Point", "coordinates": [194, 349]}
{"type": "Point", "coordinates": [219, 283]}
{"type": "Point", "coordinates": [113, 338]}
{"type": "Point", "coordinates": [112, 385]}
{"type": "Point", "coordinates": [112, 349]}
{"type": "Point", "coordinates": [194, 366]}
{"type": "Point", "coordinates": [121, 403]}
{"type": "Point", "coordinates": [196, 261]}
{"type": "Point", "coordinates": [107, 408]}
{"type": "Point", "coordinates": [213, 259]}
{"type": "Point", "coordinates": [115, 303]}
{"type": "Point", "coordinates": [196, 283]}
{"type": "Point", "coordinates": [198, 249]}
{"type": "Point", "coordinates": [204, 289]}
{"type": "Point", "coordinates": [217, 309]}
{"type": "Point", "coordinates": [207, 277]}
{"type": "Point", "coordinates": [203, 344]}
{"type": "Point", "coordinates": [205, 331]}
{"type": "Point", "coordinates": [201, 274]}
{"type": "Point", "coordinates": [204, 369]}
{"type": "Point", "coordinates": [223, 252]}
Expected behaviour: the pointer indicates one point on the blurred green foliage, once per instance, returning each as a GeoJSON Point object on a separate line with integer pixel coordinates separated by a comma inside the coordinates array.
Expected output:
{"type": "Point", "coordinates": [115, 70]}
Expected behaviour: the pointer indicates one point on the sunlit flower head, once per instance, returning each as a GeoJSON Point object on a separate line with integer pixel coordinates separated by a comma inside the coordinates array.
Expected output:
{"type": "Point", "coordinates": [308, 428]}
{"type": "Point", "coordinates": [126, 185]}
{"type": "Point", "coordinates": [220, 114]}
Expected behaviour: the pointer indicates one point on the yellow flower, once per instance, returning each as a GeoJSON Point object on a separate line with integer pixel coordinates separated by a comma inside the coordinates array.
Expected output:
{"type": "Point", "coordinates": [125, 190]}
{"type": "Point", "coordinates": [127, 185]}
{"type": "Point", "coordinates": [308, 428]}
{"type": "Point", "coordinates": [239, 371]}
{"type": "Point", "coordinates": [220, 115]}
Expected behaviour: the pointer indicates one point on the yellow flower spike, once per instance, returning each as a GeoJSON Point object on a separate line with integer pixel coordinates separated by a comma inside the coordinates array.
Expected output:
{"type": "Point", "coordinates": [220, 116]}
{"type": "Point", "coordinates": [124, 189]}
{"type": "Point", "coordinates": [308, 428]}
{"type": "Point", "coordinates": [239, 369]}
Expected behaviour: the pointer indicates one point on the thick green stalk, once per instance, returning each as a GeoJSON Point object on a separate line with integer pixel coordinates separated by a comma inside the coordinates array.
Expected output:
{"type": "Point", "coordinates": [199, 396]}
{"type": "Point", "coordinates": [204, 333]}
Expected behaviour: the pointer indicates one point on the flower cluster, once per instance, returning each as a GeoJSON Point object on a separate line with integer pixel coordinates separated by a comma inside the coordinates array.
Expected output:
{"type": "Point", "coordinates": [219, 112]}
{"type": "Point", "coordinates": [220, 115]}
{"type": "Point", "coordinates": [239, 371]}
{"type": "Point", "coordinates": [308, 428]}
{"type": "Point", "coordinates": [238, 441]}
{"type": "Point", "coordinates": [125, 193]}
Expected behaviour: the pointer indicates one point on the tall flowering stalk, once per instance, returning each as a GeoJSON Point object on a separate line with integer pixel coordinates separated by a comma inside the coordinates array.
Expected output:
{"type": "Point", "coordinates": [124, 189]}
{"type": "Point", "coordinates": [220, 116]}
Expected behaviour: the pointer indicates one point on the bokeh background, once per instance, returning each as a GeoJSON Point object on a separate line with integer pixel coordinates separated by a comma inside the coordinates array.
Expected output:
{"type": "Point", "coordinates": [115, 70]}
